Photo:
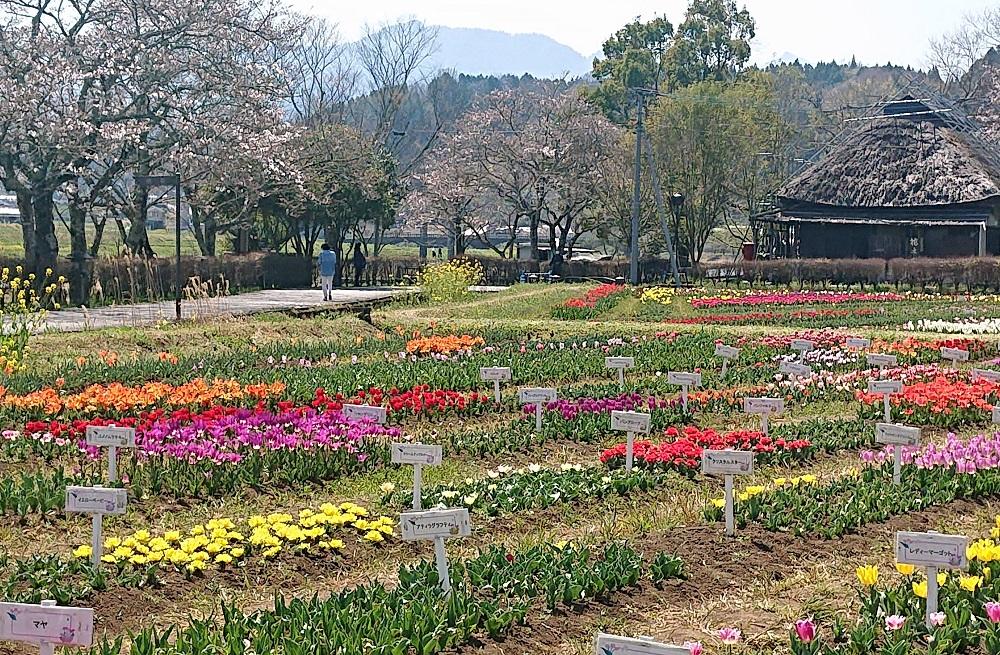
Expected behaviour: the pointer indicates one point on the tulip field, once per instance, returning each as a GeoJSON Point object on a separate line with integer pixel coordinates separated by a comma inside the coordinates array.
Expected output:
{"type": "Point", "coordinates": [266, 502]}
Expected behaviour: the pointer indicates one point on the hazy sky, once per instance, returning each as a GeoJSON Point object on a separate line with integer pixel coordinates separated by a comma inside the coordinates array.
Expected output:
{"type": "Point", "coordinates": [876, 31]}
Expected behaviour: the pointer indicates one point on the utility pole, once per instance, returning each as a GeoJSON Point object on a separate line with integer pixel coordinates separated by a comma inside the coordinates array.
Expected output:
{"type": "Point", "coordinates": [636, 192]}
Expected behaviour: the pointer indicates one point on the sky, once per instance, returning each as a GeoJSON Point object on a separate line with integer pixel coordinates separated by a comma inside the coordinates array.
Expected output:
{"type": "Point", "coordinates": [875, 31]}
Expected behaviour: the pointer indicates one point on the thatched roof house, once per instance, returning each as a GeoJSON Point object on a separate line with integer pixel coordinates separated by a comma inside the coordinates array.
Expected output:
{"type": "Point", "coordinates": [914, 179]}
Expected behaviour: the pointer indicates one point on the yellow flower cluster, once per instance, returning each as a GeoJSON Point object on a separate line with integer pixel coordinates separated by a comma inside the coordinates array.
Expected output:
{"type": "Point", "coordinates": [775, 485]}
{"type": "Point", "coordinates": [868, 576]}
{"type": "Point", "coordinates": [658, 295]}
{"type": "Point", "coordinates": [220, 541]}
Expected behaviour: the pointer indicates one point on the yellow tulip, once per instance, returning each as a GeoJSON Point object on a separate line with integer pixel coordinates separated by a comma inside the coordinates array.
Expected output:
{"type": "Point", "coordinates": [970, 582]}
{"type": "Point", "coordinates": [920, 589]}
{"type": "Point", "coordinates": [905, 569]}
{"type": "Point", "coordinates": [867, 575]}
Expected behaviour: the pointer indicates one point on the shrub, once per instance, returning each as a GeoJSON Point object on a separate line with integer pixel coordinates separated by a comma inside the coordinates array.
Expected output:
{"type": "Point", "coordinates": [23, 301]}
{"type": "Point", "coordinates": [450, 280]}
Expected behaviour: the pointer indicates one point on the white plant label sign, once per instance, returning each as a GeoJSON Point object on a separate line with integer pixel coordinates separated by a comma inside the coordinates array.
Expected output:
{"type": "Point", "coordinates": [110, 435]}
{"type": "Point", "coordinates": [858, 342]}
{"type": "Point", "coordinates": [955, 354]}
{"type": "Point", "coordinates": [943, 551]}
{"type": "Point", "coordinates": [985, 374]}
{"type": "Point", "coordinates": [727, 462]}
{"type": "Point", "coordinates": [726, 352]}
{"type": "Point", "coordinates": [63, 626]}
{"type": "Point", "coordinates": [894, 434]}
{"type": "Point", "coordinates": [96, 500]}
{"type": "Point", "coordinates": [416, 453]}
{"type": "Point", "coordinates": [794, 369]}
{"type": "Point", "coordinates": [614, 645]}
{"type": "Point", "coordinates": [996, 414]}
{"type": "Point", "coordinates": [764, 406]}
{"type": "Point", "coordinates": [435, 524]}
{"type": "Point", "coordinates": [536, 395]}
{"type": "Point", "coordinates": [885, 386]}
{"type": "Point", "coordinates": [634, 422]}
{"type": "Point", "coordinates": [619, 362]}
{"type": "Point", "coordinates": [495, 374]}
{"type": "Point", "coordinates": [360, 412]}
{"type": "Point", "coordinates": [803, 345]}
{"type": "Point", "coordinates": [684, 379]}
{"type": "Point", "coordinates": [879, 360]}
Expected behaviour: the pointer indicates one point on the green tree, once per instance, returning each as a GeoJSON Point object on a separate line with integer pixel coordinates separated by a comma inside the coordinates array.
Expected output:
{"type": "Point", "coordinates": [635, 56]}
{"type": "Point", "coordinates": [716, 144]}
{"type": "Point", "coordinates": [713, 43]}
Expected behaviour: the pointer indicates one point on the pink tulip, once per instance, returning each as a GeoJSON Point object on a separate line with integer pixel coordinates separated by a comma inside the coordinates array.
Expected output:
{"type": "Point", "coordinates": [993, 611]}
{"type": "Point", "coordinates": [806, 630]}
{"type": "Point", "coordinates": [694, 647]}
{"type": "Point", "coordinates": [894, 622]}
{"type": "Point", "coordinates": [730, 636]}
{"type": "Point", "coordinates": [937, 618]}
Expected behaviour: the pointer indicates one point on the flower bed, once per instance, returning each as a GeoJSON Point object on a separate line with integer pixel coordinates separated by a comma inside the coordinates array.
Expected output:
{"type": "Point", "coordinates": [945, 401]}
{"type": "Point", "coordinates": [120, 399]}
{"type": "Point", "coordinates": [223, 542]}
{"type": "Point", "coordinates": [891, 616]}
{"type": "Point", "coordinates": [591, 304]}
{"type": "Point", "coordinates": [776, 317]}
{"type": "Point", "coordinates": [956, 326]}
{"type": "Point", "coordinates": [683, 449]}
{"type": "Point", "coordinates": [443, 345]}
{"type": "Point", "coordinates": [752, 298]}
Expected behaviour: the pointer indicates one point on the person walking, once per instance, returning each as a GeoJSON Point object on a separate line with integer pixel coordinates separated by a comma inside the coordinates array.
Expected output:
{"type": "Point", "coordinates": [327, 264]}
{"type": "Point", "coordinates": [359, 264]}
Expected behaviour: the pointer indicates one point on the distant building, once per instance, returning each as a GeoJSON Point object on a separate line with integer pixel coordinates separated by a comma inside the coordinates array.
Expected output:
{"type": "Point", "coordinates": [8, 209]}
{"type": "Point", "coordinates": [915, 179]}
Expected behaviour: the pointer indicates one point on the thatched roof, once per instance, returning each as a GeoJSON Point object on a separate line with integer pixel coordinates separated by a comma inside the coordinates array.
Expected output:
{"type": "Point", "coordinates": [900, 162]}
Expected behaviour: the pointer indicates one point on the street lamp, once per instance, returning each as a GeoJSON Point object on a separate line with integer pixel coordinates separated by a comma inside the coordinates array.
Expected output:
{"type": "Point", "coordinates": [149, 181]}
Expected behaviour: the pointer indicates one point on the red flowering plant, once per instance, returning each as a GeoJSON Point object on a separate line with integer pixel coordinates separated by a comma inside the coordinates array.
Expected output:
{"type": "Point", "coordinates": [682, 449]}
{"type": "Point", "coordinates": [419, 400]}
{"type": "Point", "coordinates": [945, 401]}
{"type": "Point", "coordinates": [591, 304]}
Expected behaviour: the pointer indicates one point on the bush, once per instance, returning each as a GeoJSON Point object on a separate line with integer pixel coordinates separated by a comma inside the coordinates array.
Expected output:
{"type": "Point", "coordinates": [451, 280]}
{"type": "Point", "coordinates": [23, 301]}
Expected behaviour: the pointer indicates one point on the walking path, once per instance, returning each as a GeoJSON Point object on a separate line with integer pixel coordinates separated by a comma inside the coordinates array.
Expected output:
{"type": "Point", "coordinates": [256, 302]}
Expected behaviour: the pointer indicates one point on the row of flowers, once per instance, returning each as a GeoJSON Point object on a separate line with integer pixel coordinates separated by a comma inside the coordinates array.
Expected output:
{"type": "Point", "coordinates": [946, 401]}
{"type": "Point", "coordinates": [752, 298]}
{"type": "Point", "coordinates": [223, 542]}
{"type": "Point", "coordinates": [682, 449]}
{"type": "Point", "coordinates": [592, 303]}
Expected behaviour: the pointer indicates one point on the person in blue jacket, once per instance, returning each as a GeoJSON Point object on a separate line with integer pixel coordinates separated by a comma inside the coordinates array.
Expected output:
{"type": "Point", "coordinates": [327, 263]}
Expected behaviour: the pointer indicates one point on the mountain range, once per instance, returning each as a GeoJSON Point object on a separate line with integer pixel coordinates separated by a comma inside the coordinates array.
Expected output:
{"type": "Point", "coordinates": [488, 52]}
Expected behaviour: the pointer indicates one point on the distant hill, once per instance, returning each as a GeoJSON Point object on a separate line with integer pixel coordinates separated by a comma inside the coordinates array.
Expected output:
{"type": "Point", "coordinates": [488, 52]}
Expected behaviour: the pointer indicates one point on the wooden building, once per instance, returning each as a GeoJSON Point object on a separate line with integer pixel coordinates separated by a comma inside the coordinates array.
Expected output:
{"type": "Point", "coordinates": [914, 179]}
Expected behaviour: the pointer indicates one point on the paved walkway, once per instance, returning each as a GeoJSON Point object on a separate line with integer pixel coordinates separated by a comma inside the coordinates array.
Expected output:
{"type": "Point", "coordinates": [256, 302]}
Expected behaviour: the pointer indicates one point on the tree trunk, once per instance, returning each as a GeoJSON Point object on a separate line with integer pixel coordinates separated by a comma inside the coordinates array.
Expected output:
{"type": "Point", "coordinates": [137, 240]}
{"type": "Point", "coordinates": [46, 244]}
{"type": "Point", "coordinates": [533, 236]}
{"type": "Point", "coordinates": [27, 227]}
{"type": "Point", "coordinates": [82, 270]}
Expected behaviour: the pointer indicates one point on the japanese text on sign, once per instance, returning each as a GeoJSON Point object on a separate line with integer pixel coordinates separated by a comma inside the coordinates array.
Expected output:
{"type": "Point", "coordinates": [415, 453]}
{"type": "Point", "coordinates": [858, 342]}
{"type": "Point", "coordinates": [891, 433]}
{"type": "Point", "coordinates": [955, 354]}
{"type": "Point", "coordinates": [630, 422]}
{"type": "Point", "coordinates": [96, 500]}
{"type": "Point", "coordinates": [489, 374]}
{"type": "Point", "coordinates": [878, 359]}
{"type": "Point", "coordinates": [885, 386]}
{"type": "Point", "coordinates": [684, 379]}
{"type": "Point", "coordinates": [763, 405]}
{"type": "Point", "coordinates": [932, 549]}
{"type": "Point", "coordinates": [435, 523]}
{"type": "Point", "coordinates": [619, 362]}
{"type": "Point", "coordinates": [727, 462]}
{"type": "Point", "coordinates": [110, 435]}
{"type": "Point", "coordinates": [67, 626]}
{"type": "Point", "coordinates": [359, 412]}
{"type": "Point", "coordinates": [536, 395]}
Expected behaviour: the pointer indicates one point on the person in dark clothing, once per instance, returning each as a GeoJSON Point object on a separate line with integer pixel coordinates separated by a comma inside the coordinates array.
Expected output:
{"type": "Point", "coordinates": [359, 264]}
